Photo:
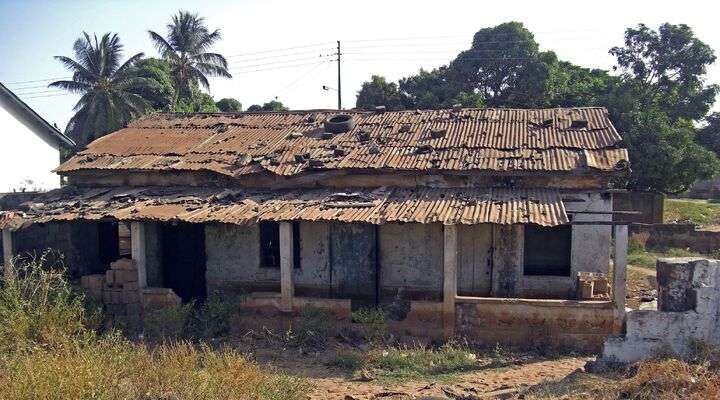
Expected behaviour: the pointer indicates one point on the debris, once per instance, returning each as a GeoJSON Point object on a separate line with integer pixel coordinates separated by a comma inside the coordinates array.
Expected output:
{"type": "Point", "coordinates": [339, 152]}
{"type": "Point", "coordinates": [380, 109]}
{"type": "Point", "coordinates": [326, 135]}
{"type": "Point", "coordinates": [316, 163]}
{"type": "Point", "coordinates": [373, 148]}
{"type": "Point", "coordinates": [578, 124]}
{"type": "Point", "coordinates": [424, 149]}
{"type": "Point", "coordinates": [299, 158]}
{"type": "Point", "coordinates": [294, 135]}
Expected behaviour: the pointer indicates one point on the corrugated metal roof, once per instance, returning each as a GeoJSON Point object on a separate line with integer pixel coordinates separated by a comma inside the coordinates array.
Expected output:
{"type": "Point", "coordinates": [290, 143]}
{"type": "Point", "coordinates": [379, 206]}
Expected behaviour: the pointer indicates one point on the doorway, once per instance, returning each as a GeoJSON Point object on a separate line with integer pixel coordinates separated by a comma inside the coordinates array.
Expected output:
{"type": "Point", "coordinates": [183, 260]}
{"type": "Point", "coordinates": [353, 258]}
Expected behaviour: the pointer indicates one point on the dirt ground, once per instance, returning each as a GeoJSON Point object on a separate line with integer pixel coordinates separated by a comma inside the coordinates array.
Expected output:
{"type": "Point", "coordinates": [641, 286]}
{"type": "Point", "coordinates": [336, 383]}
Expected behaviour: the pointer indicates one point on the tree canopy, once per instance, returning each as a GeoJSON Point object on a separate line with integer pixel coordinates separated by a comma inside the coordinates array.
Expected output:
{"type": "Point", "coordinates": [229, 105]}
{"type": "Point", "coordinates": [108, 88]}
{"type": "Point", "coordinates": [654, 101]}
{"type": "Point", "coordinates": [272, 105]}
{"type": "Point", "coordinates": [187, 50]}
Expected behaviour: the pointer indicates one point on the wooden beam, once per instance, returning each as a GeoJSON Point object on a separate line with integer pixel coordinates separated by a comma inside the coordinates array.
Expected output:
{"type": "Point", "coordinates": [287, 287]}
{"type": "Point", "coordinates": [450, 261]}
{"type": "Point", "coordinates": [620, 267]}
{"type": "Point", "coordinates": [138, 237]}
{"type": "Point", "coordinates": [8, 249]}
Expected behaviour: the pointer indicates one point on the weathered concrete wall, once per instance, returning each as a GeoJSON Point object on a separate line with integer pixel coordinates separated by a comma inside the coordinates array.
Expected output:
{"type": "Point", "coordinates": [590, 243]}
{"type": "Point", "coordinates": [650, 205]}
{"type": "Point", "coordinates": [507, 270]}
{"type": "Point", "coordinates": [411, 258]}
{"type": "Point", "coordinates": [688, 310]}
{"type": "Point", "coordinates": [233, 260]}
{"type": "Point", "coordinates": [582, 325]}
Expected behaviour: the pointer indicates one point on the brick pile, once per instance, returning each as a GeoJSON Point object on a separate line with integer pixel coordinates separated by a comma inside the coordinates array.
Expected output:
{"type": "Point", "coordinates": [124, 302]}
{"type": "Point", "coordinates": [121, 294]}
{"type": "Point", "coordinates": [592, 286]}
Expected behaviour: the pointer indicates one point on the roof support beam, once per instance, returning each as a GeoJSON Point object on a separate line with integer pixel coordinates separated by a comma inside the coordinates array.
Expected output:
{"type": "Point", "coordinates": [450, 261]}
{"type": "Point", "coordinates": [138, 237]}
{"type": "Point", "coordinates": [620, 269]}
{"type": "Point", "coordinates": [287, 287]}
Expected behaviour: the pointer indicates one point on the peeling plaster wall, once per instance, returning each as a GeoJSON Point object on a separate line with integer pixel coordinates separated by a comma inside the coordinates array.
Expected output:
{"type": "Point", "coordinates": [411, 257]}
{"type": "Point", "coordinates": [153, 254]}
{"type": "Point", "coordinates": [590, 243]}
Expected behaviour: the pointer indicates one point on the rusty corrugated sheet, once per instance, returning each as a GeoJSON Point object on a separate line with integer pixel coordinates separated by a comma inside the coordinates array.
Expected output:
{"type": "Point", "coordinates": [378, 206]}
{"type": "Point", "coordinates": [474, 139]}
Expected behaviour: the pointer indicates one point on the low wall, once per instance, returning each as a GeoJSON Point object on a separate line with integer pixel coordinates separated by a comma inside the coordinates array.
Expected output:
{"type": "Point", "coordinates": [688, 310]}
{"type": "Point", "coordinates": [581, 325]}
{"type": "Point", "coordinates": [686, 236]}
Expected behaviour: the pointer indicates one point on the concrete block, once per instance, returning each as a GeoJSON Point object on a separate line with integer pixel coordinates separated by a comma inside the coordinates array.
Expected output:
{"type": "Point", "coordinates": [675, 282]}
{"type": "Point", "coordinates": [110, 278]}
{"type": "Point", "coordinates": [124, 276]}
{"type": "Point", "coordinates": [130, 296]}
{"type": "Point", "coordinates": [154, 298]}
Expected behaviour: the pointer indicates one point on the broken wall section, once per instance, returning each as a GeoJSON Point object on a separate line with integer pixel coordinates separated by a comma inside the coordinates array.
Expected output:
{"type": "Point", "coordinates": [688, 311]}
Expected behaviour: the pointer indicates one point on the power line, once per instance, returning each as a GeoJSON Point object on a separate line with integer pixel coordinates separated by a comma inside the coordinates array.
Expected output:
{"type": "Point", "coordinates": [301, 77]}
{"type": "Point", "coordinates": [38, 80]}
{"type": "Point", "coordinates": [280, 49]}
{"type": "Point", "coordinates": [283, 55]}
{"type": "Point", "coordinates": [241, 66]}
{"type": "Point", "coordinates": [282, 67]}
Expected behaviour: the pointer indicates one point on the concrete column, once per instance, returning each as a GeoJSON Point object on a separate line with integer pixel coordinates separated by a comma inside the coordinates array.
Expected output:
{"type": "Point", "coordinates": [287, 288]}
{"type": "Point", "coordinates": [138, 238]}
{"type": "Point", "coordinates": [7, 241]}
{"type": "Point", "coordinates": [450, 261]}
{"type": "Point", "coordinates": [620, 269]}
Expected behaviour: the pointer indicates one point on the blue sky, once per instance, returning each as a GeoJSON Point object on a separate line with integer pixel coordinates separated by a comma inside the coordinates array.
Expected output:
{"type": "Point", "coordinates": [33, 31]}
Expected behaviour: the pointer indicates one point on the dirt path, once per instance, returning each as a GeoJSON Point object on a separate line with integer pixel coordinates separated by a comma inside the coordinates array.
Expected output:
{"type": "Point", "coordinates": [641, 284]}
{"type": "Point", "coordinates": [478, 384]}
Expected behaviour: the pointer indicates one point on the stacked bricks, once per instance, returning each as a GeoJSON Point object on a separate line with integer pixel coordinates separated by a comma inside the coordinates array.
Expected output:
{"type": "Point", "coordinates": [121, 295]}
{"type": "Point", "coordinates": [592, 286]}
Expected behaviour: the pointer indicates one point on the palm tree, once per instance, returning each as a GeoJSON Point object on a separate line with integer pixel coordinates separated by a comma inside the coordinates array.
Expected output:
{"type": "Point", "coordinates": [108, 101]}
{"type": "Point", "coordinates": [186, 47]}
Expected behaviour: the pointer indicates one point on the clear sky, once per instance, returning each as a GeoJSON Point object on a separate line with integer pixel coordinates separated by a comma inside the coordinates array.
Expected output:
{"type": "Point", "coordinates": [392, 38]}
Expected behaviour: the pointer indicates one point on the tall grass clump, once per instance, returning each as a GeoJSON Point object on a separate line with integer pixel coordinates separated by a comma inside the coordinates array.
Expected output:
{"type": "Point", "coordinates": [49, 349]}
{"type": "Point", "coordinates": [38, 307]}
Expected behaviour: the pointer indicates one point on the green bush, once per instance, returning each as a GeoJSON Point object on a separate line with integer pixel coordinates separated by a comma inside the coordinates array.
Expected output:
{"type": "Point", "coordinates": [214, 318]}
{"type": "Point", "coordinates": [421, 362]}
{"type": "Point", "coordinates": [348, 359]}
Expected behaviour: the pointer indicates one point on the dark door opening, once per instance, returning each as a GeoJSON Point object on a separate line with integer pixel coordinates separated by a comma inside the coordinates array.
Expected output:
{"type": "Point", "coordinates": [354, 263]}
{"type": "Point", "coordinates": [183, 260]}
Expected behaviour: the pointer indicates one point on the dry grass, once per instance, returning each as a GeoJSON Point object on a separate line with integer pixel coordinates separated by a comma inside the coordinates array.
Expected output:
{"type": "Point", "coordinates": [659, 379]}
{"type": "Point", "coordinates": [49, 349]}
{"type": "Point", "coordinates": [700, 212]}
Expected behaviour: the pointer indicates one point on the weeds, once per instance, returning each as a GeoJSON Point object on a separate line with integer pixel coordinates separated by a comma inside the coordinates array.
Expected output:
{"type": "Point", "coordinates": [314, 328]}
{"type": "Point", "coordinates": [417, 362]}
{"type": "Point", "coordinates": [368, 316]}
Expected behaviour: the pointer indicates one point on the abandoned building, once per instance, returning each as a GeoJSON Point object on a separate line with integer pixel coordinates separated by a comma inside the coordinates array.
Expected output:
{"type": "Point", "coordinates": [494, 224]}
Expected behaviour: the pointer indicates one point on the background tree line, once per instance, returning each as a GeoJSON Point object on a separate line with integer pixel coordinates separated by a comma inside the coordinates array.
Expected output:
{"type": "Point", "coordinates": [658, 99]}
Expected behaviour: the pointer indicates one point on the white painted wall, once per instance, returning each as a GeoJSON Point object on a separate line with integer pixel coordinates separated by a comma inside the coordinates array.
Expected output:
{"type": "Point", "coordinates": [25, 157]}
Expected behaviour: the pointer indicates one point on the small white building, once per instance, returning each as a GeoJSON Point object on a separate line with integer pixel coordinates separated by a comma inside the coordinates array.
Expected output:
{"type": "Point", "coordinates": [30, 146]}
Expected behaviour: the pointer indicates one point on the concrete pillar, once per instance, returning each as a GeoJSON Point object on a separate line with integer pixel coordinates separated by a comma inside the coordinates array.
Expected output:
{"type": "Point", "coordinates": [620, 267]}
{"type": "Point", "coordinates": [287, 288]}
{"type": "Point", "coordinates": [138, 237]}
{"type": "Point", "coordinates": [450, 261]}
{"type": "Point", "coordinates": [7, 241]}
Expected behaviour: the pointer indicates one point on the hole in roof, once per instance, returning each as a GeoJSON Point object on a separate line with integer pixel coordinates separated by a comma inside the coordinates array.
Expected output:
{"type": "Point", "coordinates": [579, 124]}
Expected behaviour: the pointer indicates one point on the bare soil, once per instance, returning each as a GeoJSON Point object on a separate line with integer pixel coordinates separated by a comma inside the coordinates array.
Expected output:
{"type": "Point", "coordinates": [641, 286]}
{"type": "Point", "coordinates": [331, 382]}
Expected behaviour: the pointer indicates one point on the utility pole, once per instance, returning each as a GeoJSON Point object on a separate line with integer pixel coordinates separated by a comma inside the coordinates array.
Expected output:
{"type": "Point", "coordinates": [339, 88]}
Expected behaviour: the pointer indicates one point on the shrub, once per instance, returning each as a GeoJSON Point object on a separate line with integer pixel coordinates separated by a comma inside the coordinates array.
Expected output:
{"type": "Point", "coordinates": [314, 328]}
{"type": "Point", "coordinates": [168, 323]}
{"type": "Point", "coordinates": [38, 306]}
{"type": "Point", "coordinates": [214, 318]}
{"type": "Point", "coordinates": [348, 359]}
{"type": "Point", "coordinates": [368, 316]}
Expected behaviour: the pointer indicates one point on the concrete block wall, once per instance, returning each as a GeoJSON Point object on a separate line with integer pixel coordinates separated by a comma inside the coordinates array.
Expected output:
{"type": "Point", "coordinates": [688, 310]}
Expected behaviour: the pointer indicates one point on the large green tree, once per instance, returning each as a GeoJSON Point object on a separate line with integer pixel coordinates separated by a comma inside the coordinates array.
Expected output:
{"type": "Point", "coordinates": [186, 48]}
{"type": "Point", "coordinates": [654, 102]}
{"type": "Point", "coordinates": [229, 105]}
{"type": "Point", "coordinates": [379, 92]}
{"type": "Point", "coordinates": [108, 88]}
{"type": "Point", "coordinates": [273, 105]}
